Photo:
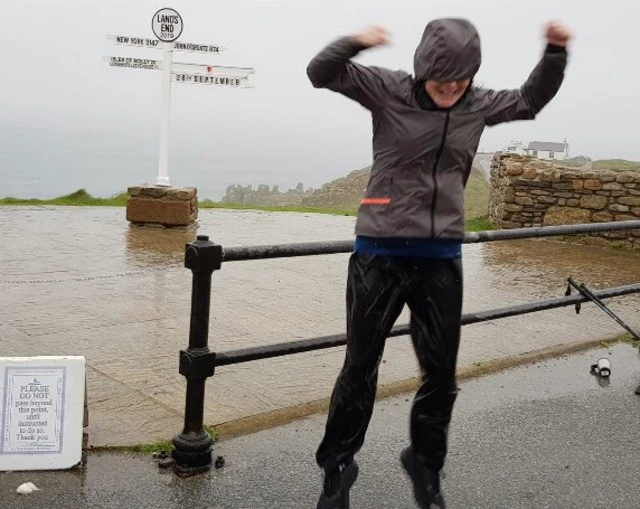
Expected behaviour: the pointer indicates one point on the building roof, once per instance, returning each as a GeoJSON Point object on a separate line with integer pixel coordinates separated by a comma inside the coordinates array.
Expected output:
{"type": "Point", "coordinates": [546, 146]}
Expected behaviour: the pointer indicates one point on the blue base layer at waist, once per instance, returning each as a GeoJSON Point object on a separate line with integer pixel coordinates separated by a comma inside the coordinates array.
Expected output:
{"type": "Point", "coordinates": [409, 247]}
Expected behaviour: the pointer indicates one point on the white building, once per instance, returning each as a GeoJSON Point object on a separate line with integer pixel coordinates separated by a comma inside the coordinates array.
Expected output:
{"type": "Point", "coordinates": [516, 147]}
{"type": "Point", "coordinates": [548, 150]}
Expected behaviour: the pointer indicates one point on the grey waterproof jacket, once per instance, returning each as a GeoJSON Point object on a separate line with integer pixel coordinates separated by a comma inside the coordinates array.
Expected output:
{"type": "Point", "coordinates": [423, 157]}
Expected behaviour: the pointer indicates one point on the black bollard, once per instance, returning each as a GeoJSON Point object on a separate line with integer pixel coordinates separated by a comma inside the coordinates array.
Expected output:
{"type": "Point", "coordinates": [192, 449]}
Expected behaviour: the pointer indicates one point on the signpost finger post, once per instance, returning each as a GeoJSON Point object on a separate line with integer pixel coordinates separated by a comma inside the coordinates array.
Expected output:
{"type": "Point", "coordinates": [162, 204]}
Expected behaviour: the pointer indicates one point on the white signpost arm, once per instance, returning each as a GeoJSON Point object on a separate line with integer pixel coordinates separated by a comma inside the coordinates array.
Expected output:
{"type": "Point", "coordinates": [163, 169]}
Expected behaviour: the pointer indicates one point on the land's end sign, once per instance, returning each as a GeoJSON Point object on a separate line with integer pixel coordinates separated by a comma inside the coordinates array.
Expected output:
{"type": "Point", "coordinates": [167, 25]}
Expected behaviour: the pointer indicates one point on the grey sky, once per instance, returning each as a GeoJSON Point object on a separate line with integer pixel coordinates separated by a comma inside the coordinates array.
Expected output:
{"type": "Point", "coordinates": [55, 81]}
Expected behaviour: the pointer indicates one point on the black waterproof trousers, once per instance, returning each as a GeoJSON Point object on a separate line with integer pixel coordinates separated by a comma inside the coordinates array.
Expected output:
{"type": "Point", "coordinates": [378, 287]}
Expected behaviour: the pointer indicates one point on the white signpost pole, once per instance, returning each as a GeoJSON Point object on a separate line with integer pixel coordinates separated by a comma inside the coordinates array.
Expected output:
{"type": "Point", "coordinates": [163, 169]}
{"type": "Point", "coordinates": [167, 26]}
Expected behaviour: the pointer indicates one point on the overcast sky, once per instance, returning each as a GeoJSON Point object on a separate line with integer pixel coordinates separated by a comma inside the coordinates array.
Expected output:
{"type": "Point", "coordinates": [53, 78]}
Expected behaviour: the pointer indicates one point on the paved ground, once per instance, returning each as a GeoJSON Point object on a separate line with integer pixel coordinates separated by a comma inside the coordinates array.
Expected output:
{"type": "Point", "coordinates": [543, 436]}
{"type": "Point", "coordinates": [80, 281]}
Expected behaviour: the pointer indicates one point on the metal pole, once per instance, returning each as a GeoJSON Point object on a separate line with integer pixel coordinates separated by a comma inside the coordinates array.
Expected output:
{"type": "Point", "coordinates": [192, 449]}
{"type": "Point", "coordinates": [582, 288]}
{"type": "Point", "coordinates": [320, 343]}
{"type": "Point", "coordinates": [163, 165]}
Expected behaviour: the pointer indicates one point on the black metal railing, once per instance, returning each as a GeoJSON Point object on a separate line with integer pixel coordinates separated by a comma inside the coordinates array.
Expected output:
{"type": "Point", "coordinates": [192, 448]}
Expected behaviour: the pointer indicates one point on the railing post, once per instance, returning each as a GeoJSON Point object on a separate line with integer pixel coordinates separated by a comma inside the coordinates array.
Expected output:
{"type": "Point", "coordinates": [192, 449]}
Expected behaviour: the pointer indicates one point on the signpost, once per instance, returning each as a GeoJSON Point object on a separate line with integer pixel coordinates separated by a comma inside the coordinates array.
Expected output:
{"type": "Point", "coordinates": [167, 26]}
{"type": "Point", "coordinates": [41, 412]}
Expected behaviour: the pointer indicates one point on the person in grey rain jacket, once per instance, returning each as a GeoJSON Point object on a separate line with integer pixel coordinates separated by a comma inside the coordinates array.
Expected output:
{"type": "Point", "coordinates": [410, 227]}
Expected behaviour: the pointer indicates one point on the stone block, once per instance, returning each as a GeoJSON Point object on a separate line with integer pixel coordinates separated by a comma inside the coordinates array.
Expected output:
{"type": "Point", "coordinates": [592, 184]}
{"type": "Point", "coordinates": [593, 202]}
{"type": "Point", "coordinates": [601, 217]}
{"type": "Point", "coordinates": [573, 202]}
{"type": "Point", "coordinates": [562, 185]}
{"type": "Point", "coordinates": [539, 192]}
{"type": "Point", "coordinates": [612, 186]}
{"type": "Point", "coordinates": [181, 193]}
{"type": "Point", "coordinates": [548, 200]}
{"type": "Point", "coordinates": [634, 201]}
{"type": "Point", "coordinates": [509, 207]}
{"type": "Point", "coordinates": [562, 195]}
{"type": "Point", "coordinates": [562, 202]}
{"type": "Point", "coordinates": [541, 185]}
{"type": "Point", "coordinates": [134, 191]}
{"type": "Point", "coordinates": [633, 192]}
{"type": "Point", "coordinates": [636, 211]}
{"type": "Point", "coordinates": [619, 208]}
{"type": "Point", "coordinates": [625, 217]}
{"type": "Point", "coordinates": [549, 176]}
{"type": "Point", "coordinates": [523, 200]}
{"type": "Point", "coordinates": [515, 169]}
{"type": "Point", "coordinates": [625, 179]}
{"type": "Point", "coordinates": [163, 212]}
{"type": "Point", "coordinates": [566, 215]}
{"type": "Point", "coordinates": [529, 173]}
{"type": "Point", "coordinates": [577, 184]}
{"type": "Point", "coordinates": [154, 191]}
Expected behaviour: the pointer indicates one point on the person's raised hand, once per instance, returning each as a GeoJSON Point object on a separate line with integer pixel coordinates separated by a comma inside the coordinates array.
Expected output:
{"type": "Point", "coordinates": [372, 37]}
{"type": "Point", "coordinates": [557, 34]}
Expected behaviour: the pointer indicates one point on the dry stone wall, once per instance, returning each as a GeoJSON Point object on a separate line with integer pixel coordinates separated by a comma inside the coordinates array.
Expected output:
{"type": "Point", "coordinates": [528, 192]}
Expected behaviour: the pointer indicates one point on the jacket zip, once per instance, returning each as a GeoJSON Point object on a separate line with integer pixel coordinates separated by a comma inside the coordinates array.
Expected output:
{"type": "Point", "coordinates": [433, 174]}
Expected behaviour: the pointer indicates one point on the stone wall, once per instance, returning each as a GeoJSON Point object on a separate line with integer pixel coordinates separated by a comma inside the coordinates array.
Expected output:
{"type": "Point", "coordinates": [529, 192]}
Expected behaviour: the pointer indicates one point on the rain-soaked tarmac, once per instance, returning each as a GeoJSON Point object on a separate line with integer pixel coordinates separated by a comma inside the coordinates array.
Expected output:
{"type": "Point", "coordinates": [544, 436]}
{"type": "Point", "coordinates": [79, 281]}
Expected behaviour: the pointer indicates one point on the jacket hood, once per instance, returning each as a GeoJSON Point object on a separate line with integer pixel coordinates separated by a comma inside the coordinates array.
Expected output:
{"type": "Point", "coordinates": [449, 51]}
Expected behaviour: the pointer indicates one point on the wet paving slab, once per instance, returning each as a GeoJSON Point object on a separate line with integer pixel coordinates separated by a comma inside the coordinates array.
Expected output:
{"type": "Point", "coordinates": [81, 281]}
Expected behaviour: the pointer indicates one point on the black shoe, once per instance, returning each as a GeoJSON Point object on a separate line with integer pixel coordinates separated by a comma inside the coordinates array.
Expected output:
{"type": "Point", "coordinates": [337, 483]}
{"type": "Point", "coordinates": [426, 481]}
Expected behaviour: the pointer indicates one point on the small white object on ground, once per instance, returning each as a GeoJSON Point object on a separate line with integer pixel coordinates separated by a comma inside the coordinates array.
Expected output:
{"type": "Point", "coordinates": [27, 488]}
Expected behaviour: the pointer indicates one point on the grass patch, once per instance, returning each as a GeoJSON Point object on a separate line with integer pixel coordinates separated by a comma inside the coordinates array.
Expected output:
{"type": "Point", "coordinates": [476, 196]}
{"type": "Point", "coordinates": [478, 224]}
{"type": "Point", "coordinates": [627, 339]}
{"type": "Point", "coordinates": [209, 204]}
{"type": "Point", "coordinates": [163, 445]}
{"type": "Point", "coordinates": [616, 164]}
{"type": "Point", "coordinates": [80, 198]}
